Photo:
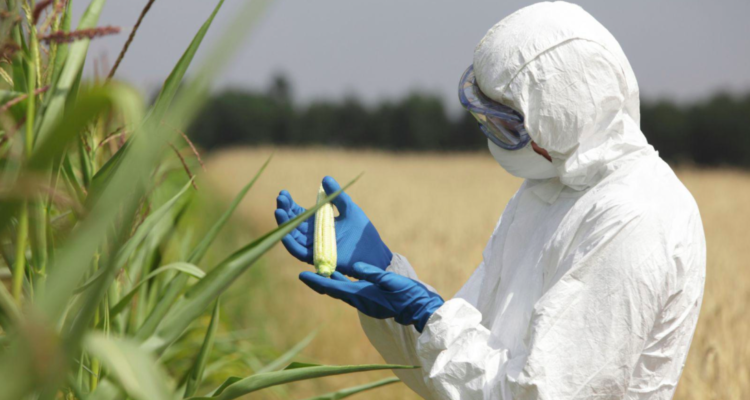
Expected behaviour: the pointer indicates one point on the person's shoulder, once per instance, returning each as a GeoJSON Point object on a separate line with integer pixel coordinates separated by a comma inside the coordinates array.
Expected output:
{"type": "Point", "coordinates": [648, 195]}
{"type": "Point", "coordinates": [649, 187]}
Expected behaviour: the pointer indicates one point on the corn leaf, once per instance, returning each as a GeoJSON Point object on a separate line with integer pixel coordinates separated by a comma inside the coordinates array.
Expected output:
{"type": "Point", "coordinates": [192, 95]}
{"type": "Point", "coordinates": [165, 98]}
{"type": "Point", "coordinates": [138, 237]}
{"type": "Point", "coordinates": [202, 247]}
{"type": "Point", "coordinates": [8, 95]}
{"type": "Point", "coordinates": [100, 287]}
{"type": "Point", "coordinates": [107, 390]}
{"type": "Point", "coordinates": [289, 355]}
{"type": "Point", "coordinates": [73, 65]}
{"type": "Point", "coordinates": [134, 370]}
{"type": "Point", "coordinates": [261, 381]}
{"type": "Point", "coordinates": [8, 308]}
{"type": "Point", "coordinates": [183, 267]}
{"type": "Point", "coordinates": [162, 307]}
{"type": "Point", "coordinates": [195, 376]}
{"type": "Point", "coordinates": [90, 104]}
{"type": "Point", "coordinates": [174, 80]}
{"type": "Point", "coordinates": [344, 393]}
{"type": "Point", "coordinates": [62, 54]}
{"type": "Point", "coordinates": [125, 183]}
{"type": "Point", "coordinates": [229, 382]}
{"type": "Point", "coordinates": [163, 101]}
{"type": "Point", "coordinates": [296, 365]}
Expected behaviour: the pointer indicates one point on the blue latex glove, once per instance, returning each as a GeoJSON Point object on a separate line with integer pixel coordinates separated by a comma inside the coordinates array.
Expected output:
{"type": "Point", "coordinates": [379, 294]}
{"type": "Point", "coordinates": [356, 237]}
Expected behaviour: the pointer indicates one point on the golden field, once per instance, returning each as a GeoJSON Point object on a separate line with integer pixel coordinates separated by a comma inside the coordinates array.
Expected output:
{"type": "Point", "coordinates": [438, 210]}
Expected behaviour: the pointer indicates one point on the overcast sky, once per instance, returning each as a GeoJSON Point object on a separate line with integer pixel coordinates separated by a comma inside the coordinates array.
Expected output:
{"type": "Point", "coordinates": [680, 49]}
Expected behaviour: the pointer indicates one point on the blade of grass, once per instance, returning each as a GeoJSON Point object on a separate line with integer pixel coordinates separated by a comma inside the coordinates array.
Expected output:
{"type": "Point", "coordinates": [102, 285]}
{"type": "Point", "coordinates": [168, 91]}
{"type": "Point", "coordinates": [73, 64]}
{"type": "Point", "coordinates": [139, 236]}
{"type": "Point", "coordinates": [162, 103]}
{"type": "Point", "coordinates": [195, 375]}
{"type": "Point", "coordinates": [200, 250]}
{"type": "Point", "coordinates": [183, 267]}
{"type": "Point", "coordinates": [289, 355]}
{"type": "Point", "coordinates": [89, 103]}
{"type": "Point", "coordinates": [8, 306]}
{"type": "Point", "coordinates": [106, 390]}
{"type": "Point", "coordinates": [134, 370]}
{"type": "Point", "coordinates": [19, 267]}
{"type": "Point", "coordinates": [187, 104]}
{"type": "Point", "coordinates": [261, 381]}
{"type": "Point", "coordinates": [92, 102]}
{"type": "Point", "coordinates": [169, 295]}
{"type": "Point", "coordinates": [344, 393]}
{"type": "Point", "coordinates": [60, 54]}
{"type": "Point", "coordinates": [22, 233]}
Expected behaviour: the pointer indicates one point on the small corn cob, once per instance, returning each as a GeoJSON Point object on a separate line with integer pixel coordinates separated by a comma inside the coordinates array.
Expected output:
{"type": "Point", "coordinates": [324, 249]}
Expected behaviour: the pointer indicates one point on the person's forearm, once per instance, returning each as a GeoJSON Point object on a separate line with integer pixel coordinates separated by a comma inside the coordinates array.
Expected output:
{"type": "Point", "coordinates": [397, 343]}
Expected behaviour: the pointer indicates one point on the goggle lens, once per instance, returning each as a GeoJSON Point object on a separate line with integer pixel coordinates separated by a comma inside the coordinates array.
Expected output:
{"type": "Point", "coordinates": [500, 123]}
{"type": "Point", "coordinates": [509, 134]}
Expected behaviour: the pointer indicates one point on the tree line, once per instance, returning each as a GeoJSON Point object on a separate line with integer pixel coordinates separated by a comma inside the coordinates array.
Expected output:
{"type": "Point", "coordinates": [712, 132]}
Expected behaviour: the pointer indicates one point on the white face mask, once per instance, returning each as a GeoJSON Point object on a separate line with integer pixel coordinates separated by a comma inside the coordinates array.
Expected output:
{"type": "Point", "coordinates": [523, 163]}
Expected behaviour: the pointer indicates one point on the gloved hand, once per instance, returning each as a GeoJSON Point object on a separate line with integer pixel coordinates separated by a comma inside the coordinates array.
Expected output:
{"type": "Point", "coordinates": [356, 237]}
{"type": "Point", "coordinates": [379, 294]}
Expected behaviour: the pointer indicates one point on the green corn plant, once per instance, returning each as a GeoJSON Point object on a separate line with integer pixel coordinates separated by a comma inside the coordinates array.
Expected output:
{"type": "Point", "coordinates": [102, 293]}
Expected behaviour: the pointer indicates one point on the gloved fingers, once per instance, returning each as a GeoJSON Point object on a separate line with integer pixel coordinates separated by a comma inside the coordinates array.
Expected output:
{"type": "Point", "coordinates": [281, 216]}
{"type": "Point", "coordinates": [284, 201]}
{"type": "Point", "coordinates": [305, 226]}
{"type": "Point", "coordinates": [338, 276]}
{"type": "Point", "coordinates": [341, 201]}
{"type": "Point", "coordinates": [301, 238]}
{"type": "Point", "coordinates": [308, 278]}
{"type": "Point", "coordinates": [293, 246]}
{"type": "Point", "coordinates": [365, 272]}
{"type": "Point", "coordinates": [295, 208]}
{"type": "Point", "coordinates": [296, 249]}
{"type": "Point", "coordinates": [344, 269]}
{"type": "Point", "coordinates": [300, 232]}
{"type": "Point", "coordinates": [333, 288]}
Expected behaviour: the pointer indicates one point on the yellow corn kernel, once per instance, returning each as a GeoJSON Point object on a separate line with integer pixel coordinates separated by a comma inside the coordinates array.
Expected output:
{"type": "Point", "coordinates": [324, 248]}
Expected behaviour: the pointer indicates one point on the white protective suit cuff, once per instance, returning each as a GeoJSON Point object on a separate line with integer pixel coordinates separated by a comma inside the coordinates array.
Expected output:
{"type": "Point", "coordinates": [447, 323]}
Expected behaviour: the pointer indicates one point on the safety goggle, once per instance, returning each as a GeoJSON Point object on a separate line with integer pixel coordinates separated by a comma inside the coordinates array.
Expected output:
{"type": "Point", "coordinates": [501, 124]}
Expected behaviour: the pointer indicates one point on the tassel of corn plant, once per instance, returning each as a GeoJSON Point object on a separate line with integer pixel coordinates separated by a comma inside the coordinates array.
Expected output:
{"type": "Point", "coordinates": [324, 248]}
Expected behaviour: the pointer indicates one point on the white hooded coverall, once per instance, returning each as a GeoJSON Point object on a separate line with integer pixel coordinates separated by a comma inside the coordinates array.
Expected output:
{"type": "Point", "coordinates": [591, 284]}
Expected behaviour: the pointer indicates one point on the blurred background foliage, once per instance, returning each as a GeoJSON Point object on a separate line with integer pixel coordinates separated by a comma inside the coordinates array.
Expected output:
{"type": "Point", "coordinates": [711, 132]}
{"type": "Point", "coordinates": [104, 290]}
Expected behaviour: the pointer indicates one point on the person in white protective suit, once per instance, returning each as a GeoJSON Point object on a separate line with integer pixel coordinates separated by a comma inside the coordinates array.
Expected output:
{"type": "Point", "coordinates": [591, 284]}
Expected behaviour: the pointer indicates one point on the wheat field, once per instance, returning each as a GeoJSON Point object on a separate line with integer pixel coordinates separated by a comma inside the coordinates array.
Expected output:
{"type": "Point", "coordinates": [438, 210]}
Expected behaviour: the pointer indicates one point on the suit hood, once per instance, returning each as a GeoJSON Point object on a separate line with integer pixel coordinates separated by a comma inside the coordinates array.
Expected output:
{"type": "Point", "coordinates": [568, 76]}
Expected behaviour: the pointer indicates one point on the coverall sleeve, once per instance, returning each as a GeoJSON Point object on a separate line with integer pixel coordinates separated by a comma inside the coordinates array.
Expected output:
{"type": "Point", "coordinates": [586, 332]}
{"type": "Point", "coordinates": [397, 343]}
